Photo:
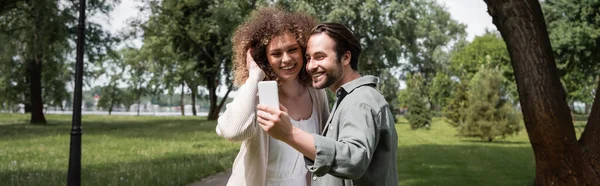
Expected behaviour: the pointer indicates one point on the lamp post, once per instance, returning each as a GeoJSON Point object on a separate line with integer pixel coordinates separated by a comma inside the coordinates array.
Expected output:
{"type": "Point", "coordinates": [74, 175]}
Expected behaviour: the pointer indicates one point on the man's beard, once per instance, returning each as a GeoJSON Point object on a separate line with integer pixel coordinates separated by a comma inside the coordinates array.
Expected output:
{"type": "Point", "coordinates": [331, 77]}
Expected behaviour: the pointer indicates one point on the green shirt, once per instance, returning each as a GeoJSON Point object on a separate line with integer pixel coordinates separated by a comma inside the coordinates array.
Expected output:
{"type": "Point", "coordinates": [359, 142]}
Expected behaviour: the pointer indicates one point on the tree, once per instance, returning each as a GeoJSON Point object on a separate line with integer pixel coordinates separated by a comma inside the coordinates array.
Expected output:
{"type": "Point", "coordinates": [458, 103]}
{"type": "Point", "coordinates": [435, 30]}
{"type": "Point", "coordinates": [489, 113]}
{"type": "Point", "coordinates": [388, 86]}
{"type": "Point", "coordinates": [419, 115]}
{"type": "Point", "coordinates": [12, 83]}
{"type": "Point", "coordinates": [488, 48]}
{"type": "Point", "coordinates": [110, 94]}
{"type": "Point", "coordinates": [200, 31]}
{"type": "Point", "coordinates": [391, 32]}
{"type": "Point", "coordinates": [168, 69]}
{"type": "Point", "coordinates": [560, 158]}
{"type": "Point", "coordinates": [441, 89]}
{"type": "Point", "coordinates": [138, 68]}
{"type": "Point", "coordinates": [574, 30]}
{"type": "Point", "coordinates": [42, 33]}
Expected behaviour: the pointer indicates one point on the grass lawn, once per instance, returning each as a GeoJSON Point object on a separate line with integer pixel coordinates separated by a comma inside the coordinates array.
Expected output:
{"type": "Point", "coordinates": [438, 157]}
{"type": "Point", "coordinates": [146, 150]}
{"type": "Point", "coordinates": [116, 150]}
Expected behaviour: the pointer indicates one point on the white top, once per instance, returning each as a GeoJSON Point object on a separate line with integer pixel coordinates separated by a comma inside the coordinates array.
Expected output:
{"type": "Point", "coordinates": [286, 165]}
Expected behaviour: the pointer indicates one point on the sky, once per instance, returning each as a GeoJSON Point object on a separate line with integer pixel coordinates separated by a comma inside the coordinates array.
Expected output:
{"type": "Point", "coordinates": [472, 13]}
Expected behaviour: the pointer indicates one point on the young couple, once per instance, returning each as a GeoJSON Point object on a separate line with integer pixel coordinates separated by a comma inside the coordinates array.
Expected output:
{"type": "Point", "coordinates": [302, 142]}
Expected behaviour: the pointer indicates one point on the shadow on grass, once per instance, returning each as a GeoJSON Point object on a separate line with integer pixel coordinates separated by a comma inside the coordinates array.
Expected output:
{"type": "Point", "coordinates": [120, 126]}
{"type": "Point", "coordinates": [178, 170]}
{"type": "Point", "coordinates": [466, 165]}
{"type": "Point", "coordinates": [494, 142]}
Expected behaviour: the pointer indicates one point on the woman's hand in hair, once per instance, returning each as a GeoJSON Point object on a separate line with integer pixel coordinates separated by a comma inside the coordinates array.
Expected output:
{"type": "Point", "coordinates": [253, 68]}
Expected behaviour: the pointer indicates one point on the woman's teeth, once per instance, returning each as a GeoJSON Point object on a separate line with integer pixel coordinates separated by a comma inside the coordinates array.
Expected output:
{"type": "Point", "coordinates": [288, 67]}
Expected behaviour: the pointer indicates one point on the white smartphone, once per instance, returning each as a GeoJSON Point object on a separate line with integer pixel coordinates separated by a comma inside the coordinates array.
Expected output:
{"type": "Point", "coordinates": [267, 93]}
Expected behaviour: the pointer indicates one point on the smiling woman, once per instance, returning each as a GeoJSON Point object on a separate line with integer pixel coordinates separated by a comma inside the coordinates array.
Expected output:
{"type": "Point", "coordinates": [258, 32]}
{"type": "Point", "coordinates": [270, 46]}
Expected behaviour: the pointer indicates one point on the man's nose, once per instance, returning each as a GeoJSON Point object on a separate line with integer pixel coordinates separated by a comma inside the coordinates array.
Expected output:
{"type": "Point", "coordinates": [310, 65]}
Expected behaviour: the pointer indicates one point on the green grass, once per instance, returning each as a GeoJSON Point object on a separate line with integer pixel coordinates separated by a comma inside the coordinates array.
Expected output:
{"type": "Point", "coordinates": [438, 157]}
{"type": "Point", "coordinates": [116, 150]}
{"type": "Point", "coordinates": [145, 150]}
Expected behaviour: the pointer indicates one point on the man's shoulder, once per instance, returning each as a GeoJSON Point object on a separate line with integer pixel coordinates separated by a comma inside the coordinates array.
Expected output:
{"type": "Point", "coordinates": [367, 95]}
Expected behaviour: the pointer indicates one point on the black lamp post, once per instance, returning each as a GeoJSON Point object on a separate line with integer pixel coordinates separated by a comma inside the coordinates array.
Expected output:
{"type": "Point", "coordinates": [74, 177]}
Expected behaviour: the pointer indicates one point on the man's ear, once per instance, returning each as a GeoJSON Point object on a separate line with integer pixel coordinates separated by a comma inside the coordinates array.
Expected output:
{"type": "Point", "coordinates": [346, 58]}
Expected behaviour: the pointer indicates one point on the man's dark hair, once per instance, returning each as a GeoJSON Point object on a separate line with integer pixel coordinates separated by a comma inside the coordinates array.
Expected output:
{"type": "Point", "coordinates": [344, 41]}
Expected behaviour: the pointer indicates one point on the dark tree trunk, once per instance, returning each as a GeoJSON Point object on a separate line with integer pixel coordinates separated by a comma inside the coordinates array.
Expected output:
{"type": "Point", "coordinates": [181, 100]}
{"type": "Point", "coordinates": [229, 88]}
{"type": "Point", "coordinates": [215, 109]}
{"type": "Point", "coordinates": [590, 138]}
{"type": "Point", "coordinates": [560, 159]}
{"type": "Point", "coordinates": [27, 107]}
{"type": "Point", "coordinates": [194, 93]}
{"type": "Point", "coordinates": [213, 112]}
{"type": "Point", "coordinates": [37, 105]}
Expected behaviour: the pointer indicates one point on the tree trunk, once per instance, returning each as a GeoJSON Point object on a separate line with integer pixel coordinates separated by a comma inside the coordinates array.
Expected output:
{"type": "Point", "coordinates": [181, 100]}
{"type": "Point", "coordinates": [213, 113]}
{"type": "Point", "coordinates": [194, 93]}
{"type": "Point", "coordinates": [590, 138]}
{"type": "Point", "coordinates": [214, 109]}
{"type": "Point", "coordinates": [229, 89]}
{"type": "Point", "coordinates": [37, 105]}
{"type": "Point", "coordinates": [138, 104]}
{"type": "Point", "coordinates": [560, 160]}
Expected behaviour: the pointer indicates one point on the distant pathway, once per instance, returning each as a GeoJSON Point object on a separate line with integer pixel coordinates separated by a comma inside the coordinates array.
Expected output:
{"type": "Point", "coordinates": [219, 179]}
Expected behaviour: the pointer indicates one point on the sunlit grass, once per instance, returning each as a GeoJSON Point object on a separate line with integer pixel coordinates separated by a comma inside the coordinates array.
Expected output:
{"type": "Point", "coordinates": [146, 150]}
{"type": "Point", "coordinates": [116, 150]}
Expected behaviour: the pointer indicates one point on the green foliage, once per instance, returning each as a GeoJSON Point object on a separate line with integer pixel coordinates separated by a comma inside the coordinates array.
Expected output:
{"type": "Point", "coordinates": [441, 89]}
{"type": "Point", "coordinates": [12, 81]}
{"type": "Point", "coordinates": [488, 49]}
{"type": "Point", "coordinates": [419, 114]}
{"type": "Point", "coordinates": [434, 30]}
{"type": "Point", "coordinates": [388, 86]}
{"type": "Point", "coordinates": [489, 113]}
{"type": "Point", "coordinates": [38, 37]}
{"type": "Point", "coordinates": [455, 111]}
{"type": "Point", "coordinates": [199, 32]}
{"type": "Point", "coordinates": [390, 32]}
{"type": "Point", "coordinates": [574, 30]}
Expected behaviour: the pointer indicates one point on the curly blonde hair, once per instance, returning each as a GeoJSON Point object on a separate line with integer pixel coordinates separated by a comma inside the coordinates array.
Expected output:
{"type": "Point", "coordinates": [256, 33]}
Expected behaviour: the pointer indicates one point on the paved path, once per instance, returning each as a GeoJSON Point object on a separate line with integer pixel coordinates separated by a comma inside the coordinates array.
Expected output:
{"type": "Point", "coordinates": [219, 179]}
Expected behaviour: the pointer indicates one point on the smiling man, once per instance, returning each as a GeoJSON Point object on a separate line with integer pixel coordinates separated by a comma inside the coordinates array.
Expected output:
{"type": "Point", "coordinates": [358, 144]}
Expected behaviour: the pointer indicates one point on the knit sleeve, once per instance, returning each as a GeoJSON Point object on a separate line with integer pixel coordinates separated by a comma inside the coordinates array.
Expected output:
{"type": "Point", "coordinates": [238, 122]}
